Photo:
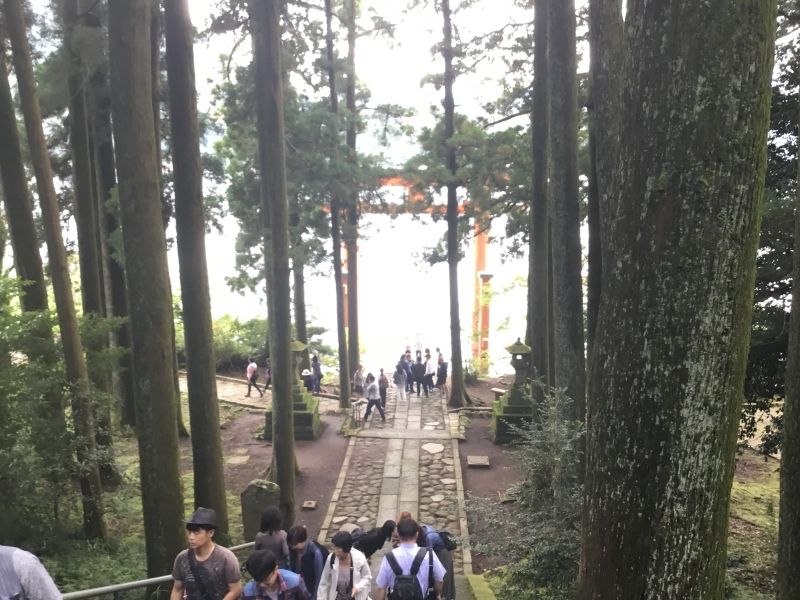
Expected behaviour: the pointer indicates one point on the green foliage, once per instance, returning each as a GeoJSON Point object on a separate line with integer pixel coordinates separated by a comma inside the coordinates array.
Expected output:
{"type": "Point", "coordinates": [36, 492]}
{"type": "Point", "coordinates": [538, 535]}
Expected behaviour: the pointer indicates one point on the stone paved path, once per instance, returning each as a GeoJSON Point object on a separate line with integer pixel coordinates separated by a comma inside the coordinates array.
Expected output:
{"type": "Point", "coordinates": [409, 463]}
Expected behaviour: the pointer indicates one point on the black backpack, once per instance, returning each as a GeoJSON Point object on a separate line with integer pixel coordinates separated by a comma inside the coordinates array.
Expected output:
{"type": "Point", "coordinates": [406, 587]}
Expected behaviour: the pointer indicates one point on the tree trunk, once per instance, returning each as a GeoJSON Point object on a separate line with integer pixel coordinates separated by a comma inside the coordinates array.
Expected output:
{"type": "Point", "coordinates": [595, 277]}
{"type": "Point", "coordinates": [788, 584]}
{"type": "Point", "coordinates": [27, 260]}
{"type": "Point", "coordinates": [77, 378]}
{"type": "Point", "coordinates": [673, 329]}
{"type": "Point", "coordinates": [351, 238]}
{"type": "Point", "coordinates": [299, 295]}
{"type": "Point", "coordinates": [88, 224]}
{"type": "Point", "coordinates": [570, 369]}
{"type": "Point", "coordinates": [116, 300]}
{"type": "Point", "coordinates": [265, 30]}
{"type": "Point", "coordinates": [457, 392]}
{"type": "Point", "coordinates": [148, 283]}
{"type": "Point", "coordinates": [344, 366]}
{"type": "Point", "coordinates": [538, 291]}
{"type": "Point", "coordinates": [209, 480]}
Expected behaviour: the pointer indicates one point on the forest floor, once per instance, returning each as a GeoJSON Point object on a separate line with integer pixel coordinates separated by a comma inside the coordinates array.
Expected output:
{"type": "Point", "coordinates": [80, 565]}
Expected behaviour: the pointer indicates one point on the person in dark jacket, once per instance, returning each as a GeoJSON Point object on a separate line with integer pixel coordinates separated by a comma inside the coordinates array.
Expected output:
{"type": "Point", "coordinates": [271, 582]}
{"type": "Point", "coordinates": [418, 370]}
{"type": "Point", "coordinates": [374, 539]}
{"type": "Point", "coordinates": [305, 558]}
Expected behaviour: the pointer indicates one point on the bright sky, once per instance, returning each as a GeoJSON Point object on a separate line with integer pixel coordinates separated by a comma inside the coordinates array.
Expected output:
{"type": "Point", "coordinates": [402, 299]}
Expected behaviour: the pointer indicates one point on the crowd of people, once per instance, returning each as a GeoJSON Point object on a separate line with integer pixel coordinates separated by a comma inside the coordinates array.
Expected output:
{"type": "Point", "coordinates": [287, 565]}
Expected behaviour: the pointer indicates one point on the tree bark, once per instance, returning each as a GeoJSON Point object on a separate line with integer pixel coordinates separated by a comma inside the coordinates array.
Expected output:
{"type": "Point", "coordinates": [88, 224]}
{"type": "Point", "coordinates": [457, 392]}
{"type": "Point", "coordinates": [77, 378]}
{"type": "Point", "coordinates": [788, 585]}
{"type": "Point", "coordinates": [148, 283]}
{"type": "Point", "coordinates": [538, 290]}
{"type": "Point", "coordinates": [673, 329]}
{"type": "Point", "coordinates": [116, 298]}
{"type": "Point", "coordinates": [351, 237]}
{"type": "Point", "coordinates": [595, 276]}
{"type": "Point", "coordinates": [209, 480]}
{"type": "Point", "coordinates": [265, 30]}
{"type": "Point", "coordinates": [570, 366]}
{"type": "Point", "coordinates": [336, 231]}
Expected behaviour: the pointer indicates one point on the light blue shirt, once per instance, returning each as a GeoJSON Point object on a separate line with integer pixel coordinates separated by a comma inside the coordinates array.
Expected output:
{"type": "Point", "coordinates": [405, 554]}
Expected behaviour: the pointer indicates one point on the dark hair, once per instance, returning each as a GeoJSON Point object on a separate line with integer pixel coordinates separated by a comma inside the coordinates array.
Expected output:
{"type": "Point", "coordinates": [343, 540]}
{"type": "Point", "coordinates": [370, 377]}
{"type": "Point", "coordinates": [387, 528]}
{"type": "Point", "coordinates": [261, 563]}
{"type": "Point", "coordinates": [407, 529]}
{"type": "Point", "coordinates": [296, 535]}
{"type": "Point", "coordinates": [271, 519]}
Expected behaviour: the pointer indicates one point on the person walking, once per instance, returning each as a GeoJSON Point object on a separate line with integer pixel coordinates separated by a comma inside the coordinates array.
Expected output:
{"type": "Point", "coordinates": [409, 560]}
{"type": "Point", "coordinates": [346, 574]}
{"type": "Point", "coordinates": [306, 558]}
{"type": "Point", "coordinates": [271, 536]}
{"type": "Point", "coordinates": [316, 369]}
{"type": "Point", "coordinates": [407, 365]}
{"type": "Point", "coordinates": [383, 385]}
{"type": "Point", "coordinates": [252, 377]}
{"type": "Point", "coordinates": [419, 374]}
{"type": "Point", "coordinates": [358, 381]}
{"type": "Point", "coordinates": [373, 398]}
{"type": "Point", "coordinates": [399, 378]}
{"type": "Point", "coordinates": [270, 582]}
{"type": "Point", "coordinates": [205, 569]}
{"type": "Point", "coordinates": [23, 577]}
{"type": "Point", "coordinates": [430, 371]}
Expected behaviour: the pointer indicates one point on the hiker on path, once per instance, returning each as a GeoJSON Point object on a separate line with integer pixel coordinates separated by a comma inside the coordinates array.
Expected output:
{"type": "Point", "coordinates": [271, 536]}
{"type": "Point", "coordinates": [306, 558]}
{"type": "Point", "coordinates": [374, 539]}
{"type": "Point", "coordinates": [267, 373]}
{"type": "Point", "coordinates": [308, 380]}
{"type": "Point", "coordinates": [441, 378]}
{"type": "Point", "coordinates": [346, 573]}
{"type": "Point", "coordinates": [383, 385]}
{"type": "Point", "coordinates": [316, 369]}
{"type": "Point", "coordinates": [205, 569]}
{"type": "Point", "coordinates": [373, 398]}
{"type": "Point", "coordinates": [409, 561]}
{"type": "Point", "coordinates": [430, 371]}
{"type": "Point", "coordinates": [270, 582]}
{"type": "Point", "coordinates": [419, 373]}
{"type": "Point", "coordinates": [400, 378]}
{"type": "Point", "coordinates": [408, 366]}
{"type": "Point", "coordinates": [252, 377]}
{"type": "Point", "coordinates": [358, 381]}
{"type": "Point", "coordinates": [22, 576]}
{"type": "Point", "coordinates": [429, 537]}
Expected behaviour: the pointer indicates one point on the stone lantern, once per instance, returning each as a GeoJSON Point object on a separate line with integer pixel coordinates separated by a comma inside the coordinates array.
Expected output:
{"type": "Point", "coordinates": [521, 361]}
{"type": "Point", "coordinates": [297, 347]}
{"type": "Point", "coordinates": [305, 407]}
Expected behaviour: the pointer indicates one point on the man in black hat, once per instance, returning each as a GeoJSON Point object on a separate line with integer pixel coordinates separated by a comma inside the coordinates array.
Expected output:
{"type": "Point", "coordinates": [205, 571]}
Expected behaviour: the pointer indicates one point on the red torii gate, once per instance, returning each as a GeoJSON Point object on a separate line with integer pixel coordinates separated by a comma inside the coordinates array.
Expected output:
{"type": "Point", "coordinates": [481, 277]}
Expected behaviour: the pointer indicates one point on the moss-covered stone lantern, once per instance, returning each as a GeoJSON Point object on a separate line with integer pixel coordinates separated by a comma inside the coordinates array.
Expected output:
{"type": "Point", "coordinates": [515, 407]}
{"type": "Point", "coordinates": [305, 406]}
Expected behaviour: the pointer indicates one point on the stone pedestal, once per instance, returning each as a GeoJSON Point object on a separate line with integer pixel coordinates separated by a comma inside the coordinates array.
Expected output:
{"type": "Point", "coordinates": [259, 495]}
{"type": "Point", "coordinates": [307, 425]}
{"type": "Point", "coordinates": [513, 408]}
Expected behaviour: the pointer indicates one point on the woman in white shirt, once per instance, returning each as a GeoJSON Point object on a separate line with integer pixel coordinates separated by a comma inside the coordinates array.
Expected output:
{"type": "Point", "coordinates": [346, 575]}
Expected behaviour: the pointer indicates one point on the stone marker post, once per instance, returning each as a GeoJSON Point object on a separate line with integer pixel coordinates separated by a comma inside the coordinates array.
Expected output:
{"type": "Point", "coordinates": [259, 495]}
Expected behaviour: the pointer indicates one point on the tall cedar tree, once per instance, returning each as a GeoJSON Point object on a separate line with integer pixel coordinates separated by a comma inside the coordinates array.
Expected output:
{"type": "Point", "coordinates": [457, 392]}
{"type": "Point", "coordinates": [570, 369]}
{"type": "Point", "coordinates": [299, 288]}
{"type": "Point", "coordinates": [265, 31]}
{"type": "Point", "coordinates": [538, 290]}
{"type": "Point", "coordinates": [190, 223]}
{"type": "Point", "coordinates": [789, 526]}
{"type": "Point", "coordinates": [88, 225]}
{"type": "Point", "coordinates": [27, 260]}
{"type": "Point", "coordinates": [149, 297]}
{"type": "Point", "coordinates": [336, 231]}
{"type": "Point", "coordinates": [75, 364]}
{"type": "Point", "coordinates": [353, 208]}
{"type": "Point", "coordinates": [106, 175]}
{"type": "Point", "coordinates": [669, 355]}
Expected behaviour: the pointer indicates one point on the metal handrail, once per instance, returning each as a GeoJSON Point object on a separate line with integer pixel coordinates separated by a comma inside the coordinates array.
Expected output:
{"type": "Point", "coordinates": [132, 585]}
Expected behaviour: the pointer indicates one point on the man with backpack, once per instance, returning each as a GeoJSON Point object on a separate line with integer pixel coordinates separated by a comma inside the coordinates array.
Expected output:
{"type": "Point", "coordinates": [409, 572]}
